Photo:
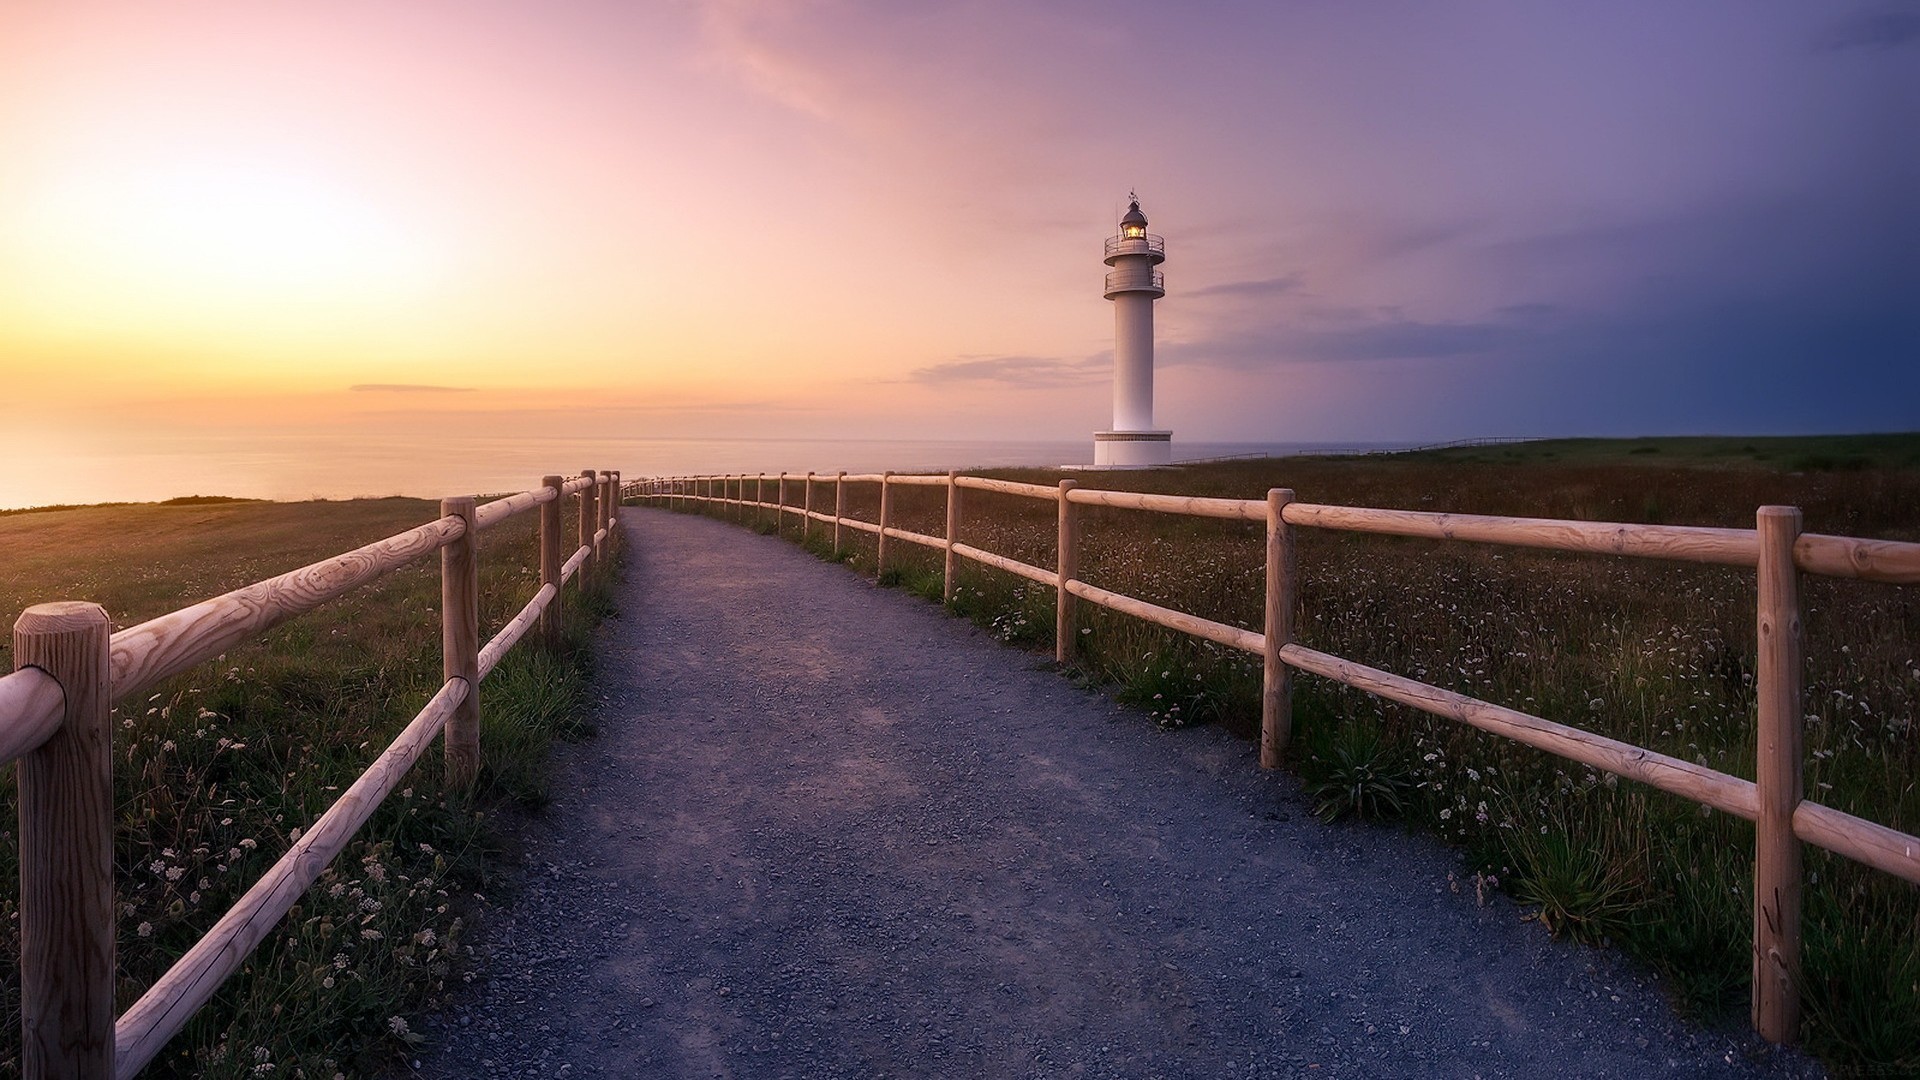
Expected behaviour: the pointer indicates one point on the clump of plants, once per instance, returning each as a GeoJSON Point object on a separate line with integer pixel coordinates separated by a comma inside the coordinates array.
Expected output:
{"type": "Point", "coordinates": [1352, 771]}
{"type": "Point", "coordinates": [1579, 889]}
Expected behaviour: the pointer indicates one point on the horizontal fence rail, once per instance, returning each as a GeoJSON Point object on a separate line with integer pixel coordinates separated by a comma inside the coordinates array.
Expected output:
{"type": "Point", "coordinates": [54, 721]}
{"type": "Point", "coordinates": [1776, 549]}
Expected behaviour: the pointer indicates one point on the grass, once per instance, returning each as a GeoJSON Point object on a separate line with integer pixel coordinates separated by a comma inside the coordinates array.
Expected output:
{"type": "Point", "coordinates": [1656, 654]}
{"type": "Point", "coordinates": [1353, 771]}
{"type": "Point", "coordinates": [217, 770]}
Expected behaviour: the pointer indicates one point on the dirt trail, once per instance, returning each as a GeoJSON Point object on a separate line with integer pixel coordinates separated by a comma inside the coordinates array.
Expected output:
{"type": "Point", "coordinates": [827, 830]}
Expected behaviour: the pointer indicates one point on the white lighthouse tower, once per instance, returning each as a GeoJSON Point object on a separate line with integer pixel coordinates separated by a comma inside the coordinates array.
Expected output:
{"type": "Point", "coordinates": [1133, 285]}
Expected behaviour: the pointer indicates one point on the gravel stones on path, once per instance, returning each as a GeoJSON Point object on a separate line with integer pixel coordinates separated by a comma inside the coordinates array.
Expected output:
{"type": "Point", "coordinates": [828, 831]}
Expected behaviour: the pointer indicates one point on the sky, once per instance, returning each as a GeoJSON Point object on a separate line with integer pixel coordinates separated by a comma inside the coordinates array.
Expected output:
{"type": "Point", "coordinates": [1384, 221]}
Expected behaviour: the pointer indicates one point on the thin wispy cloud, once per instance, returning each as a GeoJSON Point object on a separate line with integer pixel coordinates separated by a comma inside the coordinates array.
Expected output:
{"type": "Point", "coordinates": [1263, 288]}
{"type": "Point", "coordinates": [1022, 371]}
{"type": "Point", "coordinates": [407, 388]}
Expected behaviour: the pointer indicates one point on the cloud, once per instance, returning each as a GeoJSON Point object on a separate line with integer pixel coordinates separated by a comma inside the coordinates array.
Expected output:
{"type": "Point", "coordinates": [1402, 339]}
{"type": "Point", "coordinates": [1025, 371]}
{"type": "Point", "coordinates": [407, 388]}
{"type": "Point", "coordinates": [1355, 336]}
{"type": "Point", "coordinates": [1889, 28]}
{"type": "Point", "coordinates": [1285, 284]}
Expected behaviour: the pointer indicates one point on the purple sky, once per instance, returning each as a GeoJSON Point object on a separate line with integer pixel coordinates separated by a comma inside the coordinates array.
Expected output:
{"type": "Point", "coordinates": [1447, 220]}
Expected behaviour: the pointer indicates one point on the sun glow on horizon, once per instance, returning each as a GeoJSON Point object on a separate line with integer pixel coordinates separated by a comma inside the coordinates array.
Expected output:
{"type": "Point", "coordinates": [214, 235]}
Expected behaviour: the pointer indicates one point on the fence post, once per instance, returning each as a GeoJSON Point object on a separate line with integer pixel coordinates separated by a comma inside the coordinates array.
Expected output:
{"type": "Point", "coordinates": [551, 559]}
{"type": "Point", "coordinates": [1781, 721]}
{"type": "Point", "coordinates": [460, 640]}
{"type": "Point", "coordinates": [780, 505]}
{"type": "Point", "coordinates": [611, 511]}
{"type": "Point", "coordinates": [806, 516]}
{"type": "Point", "coordinates": [1276, 678]}
{"type": "Point", "coordinates": [953, 533]}
{"type": "Point", "coordinates": [886, 515]}
{"type": "Point", "coordinates": [839, 506]}
{"type": "Point", "coordinates": [67, 919]}
{"type": "Point", "coordinates": [1069, 568]}
{"type": "Point", "coordinates": [759, 498]}
{"type": "Point", "coordinates": [586, 523]}
{"type": "Point", "coordinates": [599, 506]}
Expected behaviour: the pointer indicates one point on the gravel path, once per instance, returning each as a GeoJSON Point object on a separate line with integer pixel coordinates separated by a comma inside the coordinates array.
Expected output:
{"type": "Point", "coordinates": [828, 831]}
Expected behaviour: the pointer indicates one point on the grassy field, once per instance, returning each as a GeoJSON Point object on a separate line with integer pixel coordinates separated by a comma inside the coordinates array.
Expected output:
{"type": "Point", "coordinates": [1657, 654]}
{"type": "Point", "coordinates": [218, 769]}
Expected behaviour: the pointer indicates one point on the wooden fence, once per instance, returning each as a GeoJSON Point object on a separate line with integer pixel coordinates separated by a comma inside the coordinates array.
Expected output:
{"type": "Point", "coordinates": [1776, 549]}
{"type": "Point", "coordinates": [54, 719]}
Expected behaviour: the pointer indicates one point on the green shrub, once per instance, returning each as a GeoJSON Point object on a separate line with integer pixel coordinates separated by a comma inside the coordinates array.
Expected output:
{"type": "Point", "coordinates": [1356, 773]}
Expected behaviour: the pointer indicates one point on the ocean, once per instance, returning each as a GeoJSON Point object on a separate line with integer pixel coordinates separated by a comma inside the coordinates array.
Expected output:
{"type": "Point", "coordinates": [306, 466]}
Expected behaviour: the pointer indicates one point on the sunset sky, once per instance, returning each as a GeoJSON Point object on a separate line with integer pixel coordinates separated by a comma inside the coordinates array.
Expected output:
{"type": "Point", "coordinates": [1384, 221]}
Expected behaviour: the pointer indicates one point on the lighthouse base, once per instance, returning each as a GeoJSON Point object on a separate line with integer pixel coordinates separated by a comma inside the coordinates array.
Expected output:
{"type": "Point", "coordinates": [1132, 449]}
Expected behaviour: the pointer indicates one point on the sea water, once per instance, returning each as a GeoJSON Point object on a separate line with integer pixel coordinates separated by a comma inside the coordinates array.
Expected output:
{"type": "Point", "coordinates": [306, 466]}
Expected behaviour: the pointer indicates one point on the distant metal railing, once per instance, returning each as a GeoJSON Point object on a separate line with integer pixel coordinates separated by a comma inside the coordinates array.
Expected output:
{"type": "Point", "coordinates": [1134, 279]}
{"type": "Point", "coordinates": [1136, 245]}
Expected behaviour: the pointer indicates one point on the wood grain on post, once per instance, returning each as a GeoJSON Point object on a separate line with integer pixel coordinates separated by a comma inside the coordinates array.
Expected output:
{"type": "Point", "coordinates": [169, 644]}
{"type": "Point", "coordinates": [1894, 561]}
{"type": "Point", "coordinates": [839, 506]}
{"type": "Point", "coordinates": [1009, 487]}
{"type": "Point", "coordinates": [937, 543]}
{"type": "Point", "coordinates": [490, 514]}
{"type": "Point", "coordinates": [806, 518]}
{"type": "Point", "coordinates": [509, 635]}
{"type": "Point", "coordinates": [1069, 568]}
{"type": "Point", "coordinates": [1888, 850]}
{"type": "Point", "coordinates": [1781, 712]}
{"type": "Point", "coordinates": [947, 579]}
{"type": "Point", "coordinates": [613, 511]}
{"type": "Point", "coordinates": [67, 963]}
{"type": "Point", "coordinates": [460, 642]}
{"type": "Point", "coordinates": [551, 558]}
{"type": "Point", "coordinates": [1188, 505]}
{"type": "Point", "coordinates": [1729, 547]}
{"type": "Point", "coordinates": [886, 513]}
{"type": "Point", "coordinates": [587, 513]}
{"type": "Point", "coordinates": [31, 707]}
{"type": "Point", "coordinates": [1276, 678]}
{"type": "Point", "coordinates": [603, 503]}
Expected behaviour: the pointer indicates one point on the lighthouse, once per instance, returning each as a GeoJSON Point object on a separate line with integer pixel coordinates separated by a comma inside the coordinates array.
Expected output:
{"type": "Point", "coordinates": [1133, 285]}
